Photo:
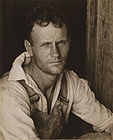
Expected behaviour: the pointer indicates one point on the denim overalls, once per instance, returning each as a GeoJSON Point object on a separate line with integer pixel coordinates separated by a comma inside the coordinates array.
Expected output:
{"type": "Point", "coordinates": [49, 125]}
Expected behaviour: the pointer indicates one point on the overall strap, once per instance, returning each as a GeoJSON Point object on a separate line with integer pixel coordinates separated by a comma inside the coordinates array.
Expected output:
{"type": "Point", "coordinates": [34, 97]}
{"type": "Point", "coordinates": [63, 90]}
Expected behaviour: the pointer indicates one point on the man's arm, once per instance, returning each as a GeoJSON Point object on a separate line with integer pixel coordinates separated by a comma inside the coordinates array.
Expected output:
{"type": "Point", "coordinates": [109, 129]}
{"type": "Point", "coordinates": [89, 109]}
{"type": "Point", "coordinates": [15, 121]}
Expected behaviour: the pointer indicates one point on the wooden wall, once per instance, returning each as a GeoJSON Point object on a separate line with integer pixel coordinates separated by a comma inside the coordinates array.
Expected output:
{"type": "Point", "coordinates": [99, 50]}
{"type": "Point", "coordinates": [1, 38]}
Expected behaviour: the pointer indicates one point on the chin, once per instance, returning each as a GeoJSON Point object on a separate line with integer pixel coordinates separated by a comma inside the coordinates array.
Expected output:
{"type": "Point", "coordinates": [56, 71]}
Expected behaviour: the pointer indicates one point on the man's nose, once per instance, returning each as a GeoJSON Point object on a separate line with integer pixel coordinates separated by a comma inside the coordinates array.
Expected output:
{"type": "Point", "coordinates": [54, 50]}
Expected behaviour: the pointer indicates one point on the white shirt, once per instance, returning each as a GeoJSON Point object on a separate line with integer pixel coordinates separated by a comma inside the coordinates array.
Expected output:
{"type": "Point", "coordinates": [15, 121]}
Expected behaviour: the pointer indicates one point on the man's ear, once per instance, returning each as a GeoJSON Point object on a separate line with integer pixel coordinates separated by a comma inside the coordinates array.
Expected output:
{"type": "Point", "coordinates": [28, 47]}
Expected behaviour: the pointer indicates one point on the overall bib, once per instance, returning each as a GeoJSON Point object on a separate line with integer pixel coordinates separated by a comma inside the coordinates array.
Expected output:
{"type": "Point", "coordinates": [49, 125]}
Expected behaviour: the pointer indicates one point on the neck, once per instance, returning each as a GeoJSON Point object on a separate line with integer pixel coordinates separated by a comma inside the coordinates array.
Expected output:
{"type": "Point", "coordinates": [42, 79]}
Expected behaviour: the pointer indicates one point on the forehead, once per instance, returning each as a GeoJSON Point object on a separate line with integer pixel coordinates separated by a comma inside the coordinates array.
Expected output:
{"type": "Point", "coordinates": [49, 32]}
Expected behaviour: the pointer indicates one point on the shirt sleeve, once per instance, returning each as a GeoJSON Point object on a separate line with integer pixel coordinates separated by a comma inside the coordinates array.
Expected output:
{"type": "Point", "coordinates": [89, 109]}
{"type": "Point", "coordinates": [15, 121]}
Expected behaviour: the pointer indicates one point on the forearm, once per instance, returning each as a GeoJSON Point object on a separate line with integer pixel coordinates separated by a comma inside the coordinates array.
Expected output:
{"type": "Point", "coordinates": [109, 129]}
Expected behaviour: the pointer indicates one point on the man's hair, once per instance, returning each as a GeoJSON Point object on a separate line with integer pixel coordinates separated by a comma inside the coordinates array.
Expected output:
{"type": "Point", "coordinates": [42, 15]}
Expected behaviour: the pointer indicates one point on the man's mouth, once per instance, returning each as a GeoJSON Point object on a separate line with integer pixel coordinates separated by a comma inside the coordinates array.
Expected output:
{"type": "Point", "coordinates": [56, 62]}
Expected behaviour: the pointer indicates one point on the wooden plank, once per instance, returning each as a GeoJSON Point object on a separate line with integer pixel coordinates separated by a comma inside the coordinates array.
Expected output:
{"type": "Point", "coordinates": [1, 38]}
{"type": "Point", "coordinates": [100, 49]}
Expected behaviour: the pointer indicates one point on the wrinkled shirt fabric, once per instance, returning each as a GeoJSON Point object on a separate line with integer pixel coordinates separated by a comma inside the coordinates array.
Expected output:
{"type": "Point", "coordinates": [15, 121]}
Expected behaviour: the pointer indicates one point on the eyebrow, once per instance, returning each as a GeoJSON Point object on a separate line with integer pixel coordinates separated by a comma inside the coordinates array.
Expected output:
{"type": "Point", "coordinates": [47, 41]}
{"type": "Point", "coordinates": [62, 40]}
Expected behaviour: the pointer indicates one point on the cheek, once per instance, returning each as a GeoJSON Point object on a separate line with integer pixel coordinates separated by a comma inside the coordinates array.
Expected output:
{"type": "Point", "coordinates": [41, 55]}
{"type": "Point", "coordinates": [64, 51]}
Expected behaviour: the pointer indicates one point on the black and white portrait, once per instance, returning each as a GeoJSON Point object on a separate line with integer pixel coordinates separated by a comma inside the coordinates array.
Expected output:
{"type": "Point", "coordinates": [56, 69]}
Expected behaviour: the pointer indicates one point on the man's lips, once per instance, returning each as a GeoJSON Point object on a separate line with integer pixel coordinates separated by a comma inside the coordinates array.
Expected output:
{"type": "Point", "coordinates": [58, 61]}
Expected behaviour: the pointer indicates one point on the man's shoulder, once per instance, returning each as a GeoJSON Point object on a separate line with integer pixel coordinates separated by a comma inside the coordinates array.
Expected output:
{"type": "Point", "coordinates": [5, 82]}
{"type": "Point", "coordinates": [13, 95]}
{"type": "Point", "coordinates": [10, 87]}
{"type": "Point", "coordinates": [73, 76]}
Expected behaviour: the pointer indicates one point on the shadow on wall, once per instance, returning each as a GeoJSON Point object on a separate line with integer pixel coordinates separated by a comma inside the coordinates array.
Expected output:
{"type": "Point", "coordinates": [13, 15]}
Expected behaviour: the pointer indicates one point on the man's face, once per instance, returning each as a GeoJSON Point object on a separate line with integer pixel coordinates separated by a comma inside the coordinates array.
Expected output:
{"type": "Point", "coordinates": [50, 48]}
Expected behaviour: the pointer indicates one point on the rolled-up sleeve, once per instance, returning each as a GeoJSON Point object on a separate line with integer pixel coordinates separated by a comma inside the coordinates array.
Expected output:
{"type": "Point", "coordinates": [15, 121]}
{"type": "Point", "coordinates": [89, 109]}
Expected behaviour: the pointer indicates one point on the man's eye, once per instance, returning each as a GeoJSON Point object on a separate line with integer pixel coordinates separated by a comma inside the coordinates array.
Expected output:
{"type": "Point", "coordinates": [46, 45]}
{"type": "Point", "coordinates": [61, 43]}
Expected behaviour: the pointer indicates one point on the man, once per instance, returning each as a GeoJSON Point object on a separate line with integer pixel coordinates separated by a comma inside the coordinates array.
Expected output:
{"type": "Point", "coordinates": [38, 93]}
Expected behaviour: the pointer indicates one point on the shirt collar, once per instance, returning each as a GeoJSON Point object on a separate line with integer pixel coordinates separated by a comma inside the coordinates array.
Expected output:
{"type": "Point", "coordinates": [17, 72]}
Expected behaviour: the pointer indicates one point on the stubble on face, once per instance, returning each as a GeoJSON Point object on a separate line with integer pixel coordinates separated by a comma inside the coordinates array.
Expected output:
{"type": "Point", "coordinates": [50, 48]}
